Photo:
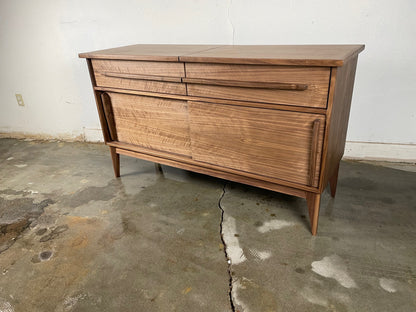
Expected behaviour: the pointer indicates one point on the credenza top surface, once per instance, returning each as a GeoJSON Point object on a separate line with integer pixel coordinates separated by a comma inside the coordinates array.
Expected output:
{"type": "Point", "coordinates": [300, 55]}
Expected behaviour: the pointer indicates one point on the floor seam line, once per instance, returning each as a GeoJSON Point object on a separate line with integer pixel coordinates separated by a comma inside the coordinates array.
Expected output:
{"type": "Point", "coordinates": [230, 277]}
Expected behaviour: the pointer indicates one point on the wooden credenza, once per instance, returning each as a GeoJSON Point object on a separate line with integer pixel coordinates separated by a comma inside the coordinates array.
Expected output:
{"type": "Point", "coordinates": [274, 117]}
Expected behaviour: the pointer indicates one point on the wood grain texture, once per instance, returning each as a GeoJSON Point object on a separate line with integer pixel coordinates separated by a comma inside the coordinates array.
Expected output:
{"type": "Point", "coordinates": [164, 69]}
{"type": "Point", "coordinates": [247, 84]}
{"type": "Point", "coordinates": [115, 157]}
{"type": "Point", "coordinates": [300, 55]}
{"type": "Point", "coordinates": [314, 151]}
{"type": "Point", "coordinates": [142, 77]}
{"type": "Point", "coordinates": [313, 201]}
{"type": "Point", "coordinates": [155, 123]}
{"type": "Point", "coordinates": [150, 52]}
{"type": "Point", "coordinates": [219, 101]}
{"type": "Point", "coordinates": [272, 143]}
{"type": "Point", "coordinates": [140, 84]}
{"type": "Point", "coordinates": [315, 78]}
{"type": "Point", "coordinates": [339, 104]}
{"type": "Point", "coordinates": [215, 173]}
{"type": "Point", "coordinates": [190, 161]}
{"type": "Point", "coordinates": [109, 116]}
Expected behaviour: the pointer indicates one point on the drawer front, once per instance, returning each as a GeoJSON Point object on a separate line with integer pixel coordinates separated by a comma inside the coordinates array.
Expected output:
{"type": "Point", "coordinates": [279, 144]}
{"type": "Point", "coordinates": [140, 84]}
{"type": "Point", "coordinates": [150, 122]}
{"type": "Point", "coordinates": [162, 77]}
{"type": "Point", "coordinates": [163, 69]}
{"type": "Point", "coordinates": [288, 85]}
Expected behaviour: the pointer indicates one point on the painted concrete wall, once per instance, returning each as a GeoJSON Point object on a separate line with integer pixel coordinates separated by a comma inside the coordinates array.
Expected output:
{"type": "Point", "coordinates": [40, 40]}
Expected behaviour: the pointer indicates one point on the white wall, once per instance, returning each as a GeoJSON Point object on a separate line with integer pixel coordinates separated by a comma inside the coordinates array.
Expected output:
{"type": "Point", "coordinates": [40, 40]}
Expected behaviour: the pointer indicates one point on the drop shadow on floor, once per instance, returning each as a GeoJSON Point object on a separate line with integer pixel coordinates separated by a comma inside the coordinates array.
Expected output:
{"type": "Point", "coordinates": [297, 206]}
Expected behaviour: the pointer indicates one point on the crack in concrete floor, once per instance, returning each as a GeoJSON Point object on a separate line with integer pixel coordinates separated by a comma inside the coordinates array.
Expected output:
{"type": "Point", "coordinates": [230, 276]}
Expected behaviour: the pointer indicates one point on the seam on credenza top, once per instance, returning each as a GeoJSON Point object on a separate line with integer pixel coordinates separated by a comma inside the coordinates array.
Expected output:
{"type": "Point", "coordinates": [190, 54]}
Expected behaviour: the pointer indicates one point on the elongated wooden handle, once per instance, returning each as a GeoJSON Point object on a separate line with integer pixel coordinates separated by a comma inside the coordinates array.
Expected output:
{"type": "Point", "coordinates": [109, 116]}
{"type": "Point", "coordinates": [248, 84]}
{"type": "Point", "coordinates": [142, 77]}
{"type": "Point", "coordinates": [213, 82]}
{"type": "Point", "coordinates": [314, 150]}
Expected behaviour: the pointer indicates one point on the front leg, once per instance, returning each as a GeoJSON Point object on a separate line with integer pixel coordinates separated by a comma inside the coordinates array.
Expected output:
{"type": "Point", "coordinates": [116, 161]}
{"type": "Point", "coordinates": [313, 200]}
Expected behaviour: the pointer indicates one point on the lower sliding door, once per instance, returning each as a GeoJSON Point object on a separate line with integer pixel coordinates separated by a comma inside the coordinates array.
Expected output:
{"type": "Point", "coordinates": [150, 122]}
{"type": "Point", "coordinates": [285, 145]}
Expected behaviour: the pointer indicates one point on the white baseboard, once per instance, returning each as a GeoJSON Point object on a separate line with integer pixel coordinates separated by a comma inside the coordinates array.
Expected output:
{"type": "Point", "coordinates": [93, 135]}
{"type": "Point", "coordinates": [87, 135]}
{"type": "Point", "coordinates": [380, 151]}
{"type": "Point", "coordinates": [74, 136]}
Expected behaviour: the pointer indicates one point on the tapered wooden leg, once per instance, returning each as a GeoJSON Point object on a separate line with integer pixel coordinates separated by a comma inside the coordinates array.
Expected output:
{"type": "Point", "coordinates": [158, 168]}
{"type": "Point", "coordinates": [116, 161]}
{"type": "Point", "coordinates": [333, 182]}
{"type": "Point", "coordinates": [313, 200]}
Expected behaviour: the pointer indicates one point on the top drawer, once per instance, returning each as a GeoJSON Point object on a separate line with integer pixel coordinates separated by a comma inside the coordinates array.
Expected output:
{"type": "Point", "coordinates": [163, 77]}
{"type": "Point", "coordinates": [288, 85]}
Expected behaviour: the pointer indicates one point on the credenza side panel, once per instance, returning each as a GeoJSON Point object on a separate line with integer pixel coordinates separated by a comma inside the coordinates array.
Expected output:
{"type": "Point", "coordinates": [339, 104]}
{"type": "Point", "coordinates": [273, 143]}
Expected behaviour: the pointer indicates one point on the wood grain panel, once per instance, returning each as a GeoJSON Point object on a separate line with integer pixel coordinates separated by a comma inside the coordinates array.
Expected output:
{"type": "Point", "coordinates": [301, 55]}
{"type": "Point", "coordinates": [215, 172]}
{"type": "Point", "coordinates": [315, 78]}
{"type": "Point", "coordinates": [189, 160]}
{"type": "Point", "coordinates": [271, 143]}
{"type": "Point", "coordinates": [340, 95]}
{"type": "Point", "coordinates": [219, 101]}
{"type": "Point", "coordinates": [154, 123]}
{"type": "Point", "coordinates": [148, 52]}
{"type": "Point", "coordinates": [167, 69]}
{"type": "Point", "coordinates": [140, 84]}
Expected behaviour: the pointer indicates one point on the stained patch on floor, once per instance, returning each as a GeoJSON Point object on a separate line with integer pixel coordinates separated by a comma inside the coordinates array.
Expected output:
{"type": "Point", "coordinates": [17, 212]}
{"type": "Point", "coordinates": [334, 267]}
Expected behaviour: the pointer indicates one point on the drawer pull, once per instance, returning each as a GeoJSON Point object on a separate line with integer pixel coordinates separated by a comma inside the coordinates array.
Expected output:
{"type": "Point", "coordinates": [142, 77]}
{"type": "Point", "coordinates": [248, 84]}
{"type": "Point", "coordinates": [314, 150]}
{"type": "Point", "coordinates": [109, 115]}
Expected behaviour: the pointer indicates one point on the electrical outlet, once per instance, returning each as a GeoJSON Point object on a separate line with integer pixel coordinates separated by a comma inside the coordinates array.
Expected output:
{"type": "Point", "coordinates": [19, 99]}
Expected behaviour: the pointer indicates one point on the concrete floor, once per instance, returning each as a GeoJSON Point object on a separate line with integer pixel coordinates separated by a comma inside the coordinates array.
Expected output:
{"type": "Point", "coordinates": [74, 238]}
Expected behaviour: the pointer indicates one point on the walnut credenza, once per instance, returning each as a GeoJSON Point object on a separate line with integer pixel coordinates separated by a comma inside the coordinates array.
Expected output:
{"type": "Point", "coordinates": [274, 117]}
